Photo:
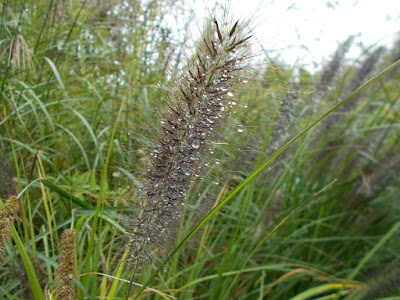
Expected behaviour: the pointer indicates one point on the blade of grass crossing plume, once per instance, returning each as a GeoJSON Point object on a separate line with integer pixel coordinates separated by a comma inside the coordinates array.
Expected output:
{"type": "Point", "coordinates": [213, 212]}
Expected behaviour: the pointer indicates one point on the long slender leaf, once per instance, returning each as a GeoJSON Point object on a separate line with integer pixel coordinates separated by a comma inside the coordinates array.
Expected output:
{"type": "Point", "coordinates": [33, 280]}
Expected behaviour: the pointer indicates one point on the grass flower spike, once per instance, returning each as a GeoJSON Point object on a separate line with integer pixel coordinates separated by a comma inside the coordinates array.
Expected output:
{"type": "Point", "coordinates": [65, 275]}
{"type": "Point", "coordinates": [197, 105]}
{"type": "Point", "coordinates": [7, 216]}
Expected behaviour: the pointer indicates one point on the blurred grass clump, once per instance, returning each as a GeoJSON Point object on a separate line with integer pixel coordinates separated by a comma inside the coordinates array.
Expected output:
{"type": "Point", "coordinates": [82, 89]}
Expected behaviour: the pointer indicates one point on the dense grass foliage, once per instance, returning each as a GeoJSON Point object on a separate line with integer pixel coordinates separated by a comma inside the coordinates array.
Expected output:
{"type": "Point", "coordinates": [280, 209]}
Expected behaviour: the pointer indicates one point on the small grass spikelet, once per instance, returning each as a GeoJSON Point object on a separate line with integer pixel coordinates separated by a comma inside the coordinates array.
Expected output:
{"type": "Point", "coordinates": [65, 274]}
{"type": "Point", "coordinates": [196, 106]}
{"type": "Point", "coordinates": [8, 214]}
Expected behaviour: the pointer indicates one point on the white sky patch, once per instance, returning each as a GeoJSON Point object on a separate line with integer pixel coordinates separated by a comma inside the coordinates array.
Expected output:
{"type": "Point", "coordinates": [307, 32]}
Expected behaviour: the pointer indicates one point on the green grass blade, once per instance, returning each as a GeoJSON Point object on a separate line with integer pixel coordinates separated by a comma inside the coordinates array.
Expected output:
{"type": "Point", "coordinates": [57, 75]}
{"type": "Point", "coordinates": [33, 280]}
{"type": "Point", "coordinates": [87, 125]}
{"type": "Point", "coordinates": [313, 292]}
{"type": "Point", "coordinates": [76, 140]}
{"type": "Point", "coordinates": [40, 103]}
{"type": "Point", "coordinates": [63, 193]}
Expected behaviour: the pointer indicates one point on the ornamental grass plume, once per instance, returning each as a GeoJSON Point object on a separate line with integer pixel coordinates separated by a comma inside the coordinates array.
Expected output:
{"type": "Point", "coordinates": [19, 54]}
{"type": "Point", "coordinates": [8, 214]}
{"type": "Point", "coordinates": [330, 71]}
{"type": "Point", "coordinates": [382, 284]}
{"type": "Point", "coordinates": [360, 76]}
{"type": "Point", "coordinates": [5, 178]}
{"type": "Point", "coordinates": [363, 72]}
{"type": "Point", "coordinates": [65, 273]}
{"type": "Point", "coordinates": [373, 180]}
{"type": "Point", "coordinates": [197, 105]}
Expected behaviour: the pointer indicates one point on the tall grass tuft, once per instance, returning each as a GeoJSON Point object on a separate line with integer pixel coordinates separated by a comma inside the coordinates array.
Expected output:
{"type": "Point", "coordinates": [199, 102]}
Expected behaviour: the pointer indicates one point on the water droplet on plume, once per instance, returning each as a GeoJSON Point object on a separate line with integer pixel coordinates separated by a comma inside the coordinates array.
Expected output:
{"type": "Point", "coordinates": [196, 144]}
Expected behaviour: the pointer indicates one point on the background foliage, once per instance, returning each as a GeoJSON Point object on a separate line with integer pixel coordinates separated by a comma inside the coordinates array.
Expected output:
{"type": "Point", "coordinates": [82, 89]}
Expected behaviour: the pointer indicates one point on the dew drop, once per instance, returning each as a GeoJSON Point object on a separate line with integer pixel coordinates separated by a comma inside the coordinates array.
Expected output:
{"type": "Point", "coordinates": [240, 128]}
{"type": "Point", "coordinates": [230, 94]}
{"type": "Point", "coordinates": [196, 144]}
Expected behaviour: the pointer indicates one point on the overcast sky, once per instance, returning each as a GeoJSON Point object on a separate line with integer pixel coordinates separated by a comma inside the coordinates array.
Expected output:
{"type": "Point", "coordinates": [308, 31]}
